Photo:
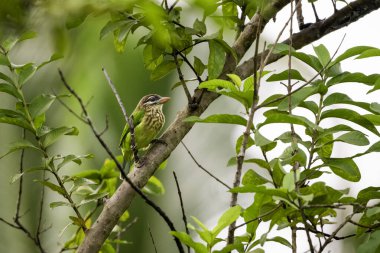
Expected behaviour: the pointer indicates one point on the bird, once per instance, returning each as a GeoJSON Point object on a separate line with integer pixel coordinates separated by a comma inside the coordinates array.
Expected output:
{"type": "Point", "coordinates": [148, 120]}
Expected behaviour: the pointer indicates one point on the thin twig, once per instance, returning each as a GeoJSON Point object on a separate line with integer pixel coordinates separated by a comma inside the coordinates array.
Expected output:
{"type": "Point", "coordinates": [129, 120]}
{"type": "Point", "coordinates": [182, 80]}
{"type": "Point", "coordinates": [259, 217]}
{"type": "Point", "coordinates": [9, 223]}
{"type": "Point", "coordinates": [246, 134]}
{"type": "Point", "coordinates": [40, 214]}
{"type": "Point", "coordinates": [331, 237]}
{"type": "Point", "coordinates": [184, 218]}
{"type": "Point", "coordinates": [327, 234]}
{"type": "Point", "coordinates": [69, 109]}
{"type": "Point", "coordinates": [118, 165]}
{"type": "Point", "coordinates": [151, 237]}
{"type": "Point", "coordinates": [203, 168]}
{"type": "Point", "coordinates": [20, 188]}
{"type": "Point", "coordinates": [190, 66]}
{"type": "Point", "coordinates": [173, 5]}
{"type": "Point", "coordinates": [105, 128]}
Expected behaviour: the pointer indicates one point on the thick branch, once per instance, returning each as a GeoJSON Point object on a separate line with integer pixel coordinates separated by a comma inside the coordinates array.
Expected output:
{"type": "Point", "coordinates": [124, 195]}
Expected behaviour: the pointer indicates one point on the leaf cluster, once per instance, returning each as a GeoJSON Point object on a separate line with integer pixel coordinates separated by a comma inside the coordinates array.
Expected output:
{"type": "Point", "coordinates": [286, 181]}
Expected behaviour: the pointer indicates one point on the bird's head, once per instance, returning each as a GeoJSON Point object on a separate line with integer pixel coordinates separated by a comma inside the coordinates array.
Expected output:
{"type": "Point", "coordinates": [152, 101]}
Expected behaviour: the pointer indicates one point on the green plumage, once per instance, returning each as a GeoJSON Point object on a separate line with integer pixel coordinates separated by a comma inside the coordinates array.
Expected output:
{"type": "Point", "coordinates": [148, 120]}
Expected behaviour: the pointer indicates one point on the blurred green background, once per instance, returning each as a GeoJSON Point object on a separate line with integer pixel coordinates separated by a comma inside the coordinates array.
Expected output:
{"type": "Point", "coordinates": [84, 56]}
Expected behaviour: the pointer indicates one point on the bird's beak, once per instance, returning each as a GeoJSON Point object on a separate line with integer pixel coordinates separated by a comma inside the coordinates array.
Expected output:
{"type": "Point", "coordinates": [163, 100]}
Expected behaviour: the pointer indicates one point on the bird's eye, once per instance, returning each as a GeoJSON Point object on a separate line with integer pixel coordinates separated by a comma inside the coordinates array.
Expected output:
{"type": "Point", "coordinates": [150, 99]}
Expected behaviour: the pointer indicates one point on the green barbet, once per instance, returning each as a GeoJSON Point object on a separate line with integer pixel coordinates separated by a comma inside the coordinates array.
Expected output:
{"type": "Point", "coordinates": [148, 120]}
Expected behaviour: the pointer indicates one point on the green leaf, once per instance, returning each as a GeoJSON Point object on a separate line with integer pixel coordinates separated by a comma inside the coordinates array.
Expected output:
{"type": "Point", "coordinates": [374, 148]}
{"type": "Point", "coordinates": [325, 145]}
{"type": "Point", "coordinates": [239, 141]}
{"type": "Point", "coordinates": [293, 154]}
{"type": "Point", "coordinates": [259, 162]}
{"type": "Point", "coordinates": [274, 116]}
{"type": "Point", "coordinates": [53, 135]}
{"type": "Point", "coordinates": [226, 219]}
{"type": "Point", "coordinates": [345, 168]}
{"type": "Point", "coordinates": [107, 248]}
{"type": "Point", "coordinates": [59, 203]}
{"type": "Point", "coordinates": [76, 221]}
{"type": "Point", "coordinates": [277, 171]}
{"type": "Point", "coordinates": [355, 138]}
{"type": "Point", "coordinates": [219, 118]}
{"type": "Point", "coordinates": [297, 98]}
{"type": "Point", "coordinates": [89, 174]}
{"type": "Point", "coordinates": [125, 216]}
{"type": "Point", "coordinates": [41, 104]}
{"type": "Point", "coordinates": [368, 194]}
{"type": "Point", "coordinates": [372, 245]}
{"type": "Point", "coordinates": [54, 57]}
{"type": "Point", "coordinates": [199, 66]}
{"type": "Point", "coordinates": [200, 27]}
{"type": "Point", "coordinates": [264, 143]}
{"type": "Point", "coordinates": [351, 52]}
{"type": "Point", "coordinates": [244, 97]}
{"type": "Point", "coordinates": [284, 75]}
{"type": "Point", "coordinates": [19, 145]}
{"type": "Point", "coordinates": [162, 70]}
{"type": "Point", "coordinates": [288, 182]}
{"type": "Point", "coordinates": [347, 77]}
{"type": "Point", "coordinates": [309, 59]}
{"type": "Point", "coordinates": [375, 119]}
{"type": "Point", "coordinates": [205, 234]}
{"type": "Point", "coordinates": [215, 84]}
{"type": "Point", "coordinates": [260, 140]}
{"type": "Point", "coordinates": [11, 41]}
{"type": "Point", "coordinates": [7, 78]}
{"type": "Point", "coordinates": [341, 98]}
{"type": "Point", "coordinates": [112, 25]}
{"type": "Point", "coordinates": [154, 186]}
{"type": "Point", "coordinates": [235, 79]}
{"type": "Point", "coordinates": [375, 107]}
{"type": "Point", "coordinates": [25, 72]}
{"type": "Point", "coordinates": [19, 175]}
{"type": "Point", "coordinates": [52, 187]}
{"type": "Point", "coordinates": [16, 122]}
{"type": "Point", "coordinates": [323, 54]}
{"type": "Point", "coordinates": [251, 177]}
{"type": "Point", "coordinates": [248, 84]}
{"type": "Point", "coordinates": [280, 240]}
{"type": "Point", "coordinates": [11, 90]}
{"type": "Point", "coordinates": [369, 53]}
{"type": "Point", "coordinates": [93, 198]}
{"type": "Point", "coordinates": [73, 158]}
{"type": "Point", "coordinates": [216, 59]}
{"type": "Point", "coordinates": [351, 116]}
{"type": "Point", "coordinates": [187, 240]}
{"type": "Point", "coordinates": [376, 86]}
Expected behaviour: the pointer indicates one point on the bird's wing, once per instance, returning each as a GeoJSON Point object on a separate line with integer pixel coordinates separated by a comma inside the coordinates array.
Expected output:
{"type": "Point", "coordinates": [137, 118]}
